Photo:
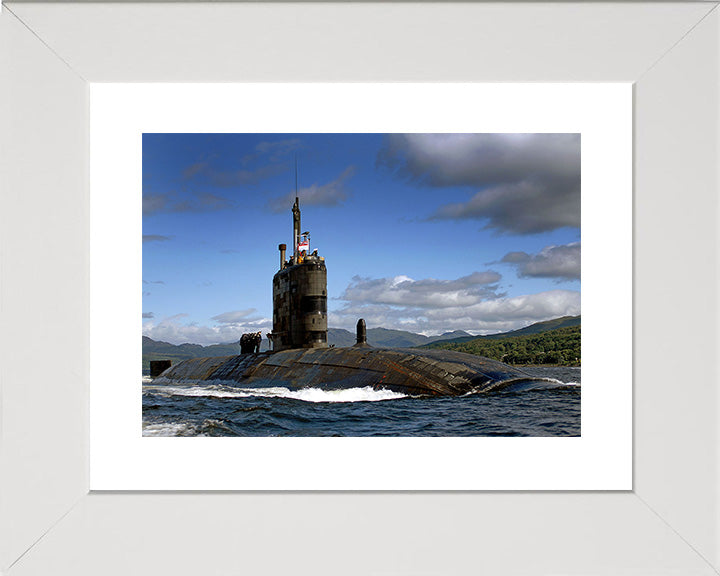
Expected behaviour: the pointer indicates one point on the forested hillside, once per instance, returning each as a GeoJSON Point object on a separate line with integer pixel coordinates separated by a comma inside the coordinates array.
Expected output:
{"type": "Point", "coordinates": [560, 346]}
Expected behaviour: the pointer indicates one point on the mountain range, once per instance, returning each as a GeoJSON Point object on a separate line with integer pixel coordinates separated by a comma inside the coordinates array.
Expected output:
{"type": "Point", "coordinates": [381, 337]}
{"type": "Point", "coordinates": [537, 328]}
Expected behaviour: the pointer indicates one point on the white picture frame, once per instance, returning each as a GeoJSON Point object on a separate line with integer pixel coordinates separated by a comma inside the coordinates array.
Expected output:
{"type": "Point", "coordinates": [668, 523]}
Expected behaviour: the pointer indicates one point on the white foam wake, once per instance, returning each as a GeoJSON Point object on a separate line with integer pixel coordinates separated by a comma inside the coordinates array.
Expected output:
{"type": "Point", "coordinates": [366, 394]}
{"type": "Point", "coordinates": [199, 391]}
{"type": "Point", "coordinates": [170, 429]}
{"type": "Point", "coordinates": [559, 382]}
{"type": "Point", "coordinates": [183, 428]}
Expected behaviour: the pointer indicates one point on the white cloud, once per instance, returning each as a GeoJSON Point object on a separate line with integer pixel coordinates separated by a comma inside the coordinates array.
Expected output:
{"type": "Point", "coordinates": [154, 203]}
{"type": "Point", "coordinates": [330, 194]}
{"type": "Point", "coordinates": [485, 317]}
{"type": "Point", "coordinates": [524, 183]}
{"type": "Point", "coordinates": [274, 150]}
{"type": "Point", "coordinates": [482, 314]}
{"type": "Point", "coordinates": [426, 293]}
{"type": "Point", "coordinates": [240, 178]}
{"type": "Point", "coordinates": [235, 317]}
{"type": "Point", "coordinates": [229, 328]}
{"type": "Point", "coordinates": [558, 262]}
{"type": "Point", "coordinates": [154, 238]}
{"type": "Point", "coordinates": [432, 306]}
{"type": "Point", "coordinates": [279, 147]}
{"type": "Point", "coordinates": [186, 201]}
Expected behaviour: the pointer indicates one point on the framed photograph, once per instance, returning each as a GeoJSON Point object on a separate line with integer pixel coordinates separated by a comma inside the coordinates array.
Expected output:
{"type": "Point", "coordinates": [542, 128]}
{"type": "Point", "coordinates": [64, 323]}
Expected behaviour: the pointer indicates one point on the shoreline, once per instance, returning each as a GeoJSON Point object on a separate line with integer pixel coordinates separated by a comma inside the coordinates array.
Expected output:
{"type": "Point", "coordinates": [546, 365]}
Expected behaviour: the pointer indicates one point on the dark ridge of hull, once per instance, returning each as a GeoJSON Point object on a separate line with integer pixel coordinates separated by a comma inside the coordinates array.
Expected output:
{"type": "Point", "coordinates": [405, 370]}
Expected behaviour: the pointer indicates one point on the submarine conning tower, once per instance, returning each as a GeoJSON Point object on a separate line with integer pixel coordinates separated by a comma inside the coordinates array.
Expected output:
{"type": "Point", "coordinates": [299, 295]}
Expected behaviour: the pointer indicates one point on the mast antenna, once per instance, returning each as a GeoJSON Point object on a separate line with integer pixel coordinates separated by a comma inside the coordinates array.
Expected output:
{"type": "Point", "coordinates": [296, 219]}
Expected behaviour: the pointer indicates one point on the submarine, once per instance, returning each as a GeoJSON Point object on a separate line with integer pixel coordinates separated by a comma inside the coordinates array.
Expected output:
{"type": "Point", "coordinates": [301, 358]}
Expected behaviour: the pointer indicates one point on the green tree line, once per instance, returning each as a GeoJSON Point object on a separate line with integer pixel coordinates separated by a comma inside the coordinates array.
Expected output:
{"type": "Point", "coordinates": [560, 347]}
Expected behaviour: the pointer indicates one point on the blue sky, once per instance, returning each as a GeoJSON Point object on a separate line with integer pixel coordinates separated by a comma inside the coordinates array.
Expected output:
{"type": "Point", "coordinates": [421, 232]}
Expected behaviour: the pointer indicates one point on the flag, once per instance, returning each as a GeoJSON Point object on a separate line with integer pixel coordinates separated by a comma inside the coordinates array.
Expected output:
{"type": "Point", "coordinates": [304, 246]}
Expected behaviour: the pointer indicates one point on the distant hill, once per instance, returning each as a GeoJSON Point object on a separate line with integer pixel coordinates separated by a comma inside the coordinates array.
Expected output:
{"type": "Point", "coordinates": [340, 337]}
{"type": "Point", "coordinates": [395, 338]}
{"type": "Point", "coordinates": [157, 350]}
{"type": "Point", "coordinates": [151, 346]}
{"type": "Point", "coordinates": [381, 337]}
{"type": "Point", "coordinates": [388, 338]}
{"type": "Point", "coordinates": [531, 345]}
{"type": "Point", "coordinates": [537, 328]}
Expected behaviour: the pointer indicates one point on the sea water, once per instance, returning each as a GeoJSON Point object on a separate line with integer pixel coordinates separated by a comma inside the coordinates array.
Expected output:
{"type": "Point", "coordinates": [224, 409]}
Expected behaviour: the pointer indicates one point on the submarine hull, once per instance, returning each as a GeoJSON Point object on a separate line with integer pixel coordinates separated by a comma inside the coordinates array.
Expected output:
{"type": "Point", "coordinates": [405, 370]}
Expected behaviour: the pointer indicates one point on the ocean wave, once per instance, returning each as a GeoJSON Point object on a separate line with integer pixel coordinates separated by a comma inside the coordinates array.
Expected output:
{"type": "Point", "coordinates": [554, 382]}
{"type": "Point", "coordinates": [212, 391]}
{"type": "Point", "coordinates": [208, 427]}
{"type": "Point", "coordinates": [170, 429]}
{"type": "Point", "coordinates": [365, 394]}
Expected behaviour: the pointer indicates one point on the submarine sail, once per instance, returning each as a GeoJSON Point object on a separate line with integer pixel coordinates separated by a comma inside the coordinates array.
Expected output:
{"type": "Point", "coordinates": [299, 296]}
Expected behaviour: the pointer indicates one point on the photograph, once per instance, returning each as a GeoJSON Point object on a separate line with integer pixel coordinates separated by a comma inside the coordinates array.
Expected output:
{"type": "Point", "coordinates": [361, 284]}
